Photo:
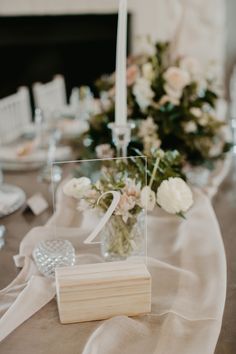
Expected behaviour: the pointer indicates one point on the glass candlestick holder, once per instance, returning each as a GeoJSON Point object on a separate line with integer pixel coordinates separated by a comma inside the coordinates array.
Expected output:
{"type": "Point", "coordinates": [121, 137]}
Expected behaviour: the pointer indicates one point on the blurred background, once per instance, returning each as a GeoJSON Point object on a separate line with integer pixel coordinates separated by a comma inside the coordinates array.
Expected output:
{"type": "Point", "coordinates": [230, 37]}
{"type": "Point", "coordinates": [41, 39]}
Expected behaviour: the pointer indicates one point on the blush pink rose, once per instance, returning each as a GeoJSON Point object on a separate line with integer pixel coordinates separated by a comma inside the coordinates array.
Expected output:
{"type": "Point", "coordinates": [132, 74]}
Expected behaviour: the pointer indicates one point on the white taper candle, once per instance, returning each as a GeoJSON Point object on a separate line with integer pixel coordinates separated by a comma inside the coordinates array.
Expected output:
{"type": "Point", "coordinates": [121, 55]}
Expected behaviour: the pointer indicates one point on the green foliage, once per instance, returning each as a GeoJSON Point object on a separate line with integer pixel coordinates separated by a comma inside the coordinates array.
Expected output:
{"type": "Point", "coordinates": [171, 118]}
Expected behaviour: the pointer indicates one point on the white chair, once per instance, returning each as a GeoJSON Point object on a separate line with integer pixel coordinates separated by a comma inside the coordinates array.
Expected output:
{"type": "Point", "coordinates": [50, 97]}
{"type": "Point", "coordinates": [15, 115]}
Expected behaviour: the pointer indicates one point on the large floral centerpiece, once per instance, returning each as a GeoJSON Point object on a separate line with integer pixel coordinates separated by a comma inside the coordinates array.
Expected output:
{"type": "Point", "coordinates": [173, 103]}
{"type": "Point", "coordinates": [141, 185]}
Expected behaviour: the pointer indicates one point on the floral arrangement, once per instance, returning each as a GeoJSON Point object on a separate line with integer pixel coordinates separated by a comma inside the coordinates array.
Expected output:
{"type": "Point", "coordinates": [142, 185]}
{"type": "Point", "coordinates": [173, 104]}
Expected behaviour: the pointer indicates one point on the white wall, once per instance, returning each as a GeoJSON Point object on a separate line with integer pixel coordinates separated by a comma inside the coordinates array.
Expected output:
{"type": "Point", "coordinates": [231, 36]}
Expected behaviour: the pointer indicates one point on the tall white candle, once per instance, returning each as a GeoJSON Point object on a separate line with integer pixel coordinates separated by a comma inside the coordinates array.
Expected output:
{"type": "Point", "coordinates": [121, 55]}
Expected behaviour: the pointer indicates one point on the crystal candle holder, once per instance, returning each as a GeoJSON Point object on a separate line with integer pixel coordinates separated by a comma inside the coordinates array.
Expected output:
{"type": "Point", "coordinates": [121, 136]}
{"type": "Point", "coordinates": [53, 253]}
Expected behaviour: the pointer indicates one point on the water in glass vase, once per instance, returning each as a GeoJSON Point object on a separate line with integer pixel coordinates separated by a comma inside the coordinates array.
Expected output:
{"type": "Point", "coordinates": [120, 239]}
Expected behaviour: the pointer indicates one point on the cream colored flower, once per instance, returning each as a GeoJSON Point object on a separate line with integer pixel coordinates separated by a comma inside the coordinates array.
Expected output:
{"type": "Point", "coordinates": [190, 127]}
{"type": "Point", "coordinates": [77, 187]}
{"type": "Point", "coordinates": [148, 72]}
{"type": "Point", "coordinates": [176, 79]}
{"type": "Point", "coordinates": [148, 198]}
{"type": "Point", "coordinates": [104, 151]}
{"type": "Point", "coordinates": [195, 111]}
{"type": "Point", "coordinates": [147, 127]}
{"type": "Point", "coordinates": [92, 194]}
{"type": "Point", "coordinates": [174, 196]}
{"type": "Point", "coordinates": [167, 99]}
{"type": "Point", "coordinates": [192, 66]}
{"type": "Point", "coordinates": [106, 102]}
{"type": "Point", "coordinates": [143, 93]}
{"type": "Point", "coordinates": [126, 204]}
{"type": "Point", "coordinates": [146, 46]}
{"type": "Point", "coordinates": [132, 189]}
{"type": "Point", "coordinates": [204, 120]}
{"type": "Point", "coordinates": [150, 142]}
{"type": "Point", "coordinates": [175, 94]}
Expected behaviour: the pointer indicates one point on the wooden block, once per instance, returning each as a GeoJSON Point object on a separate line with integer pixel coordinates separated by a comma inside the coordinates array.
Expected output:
{"type": "Point", "coordinates": [102, 290]}
{"type": "Point", "coordinates": [37, 204]}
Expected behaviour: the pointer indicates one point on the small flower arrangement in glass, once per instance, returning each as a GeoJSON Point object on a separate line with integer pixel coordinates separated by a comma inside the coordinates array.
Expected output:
{"type": "Point", "coordinates": [124, 233]}
{"type": "Point", "coordinates": [142, 184]}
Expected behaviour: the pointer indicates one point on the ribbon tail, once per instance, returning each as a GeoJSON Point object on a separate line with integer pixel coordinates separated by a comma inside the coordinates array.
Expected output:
{"type": "Point", "coordinates": [37, 293]}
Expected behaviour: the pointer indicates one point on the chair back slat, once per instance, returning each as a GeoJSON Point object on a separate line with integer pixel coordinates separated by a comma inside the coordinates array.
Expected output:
{"type": "Point", "coordinates": [50, 97]}
{"type": "Point", "coordinates": [15, 115]}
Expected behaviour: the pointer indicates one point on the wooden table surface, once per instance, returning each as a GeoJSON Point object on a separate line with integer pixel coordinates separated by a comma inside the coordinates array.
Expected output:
{"type": "Point", "coordinates": [19, 223]}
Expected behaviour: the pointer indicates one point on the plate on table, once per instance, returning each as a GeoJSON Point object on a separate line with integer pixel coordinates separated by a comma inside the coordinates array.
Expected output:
{"type": "Point", "coordinates": [15, 197]}
{"type": "Point", "coordinates": [10, 161]}
{"type": "Point", "coordinates": [71, 128]}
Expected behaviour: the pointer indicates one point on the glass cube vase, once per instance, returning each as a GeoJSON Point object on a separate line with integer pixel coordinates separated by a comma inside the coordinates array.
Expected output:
{"type": "Point", "coordinates": [121, 240]}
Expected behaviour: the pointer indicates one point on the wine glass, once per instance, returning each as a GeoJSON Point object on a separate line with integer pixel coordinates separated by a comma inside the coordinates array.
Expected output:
{"type": "Point", "coordinates": [49, 174]}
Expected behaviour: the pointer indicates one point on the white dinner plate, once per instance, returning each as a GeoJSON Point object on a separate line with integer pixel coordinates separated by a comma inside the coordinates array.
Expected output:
{"type": "Point", "coordinates": [17, 204]}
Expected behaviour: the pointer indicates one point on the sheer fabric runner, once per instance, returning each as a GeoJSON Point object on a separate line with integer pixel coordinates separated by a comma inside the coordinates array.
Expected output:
{"type": "Point", "coordinates": [186, 259]}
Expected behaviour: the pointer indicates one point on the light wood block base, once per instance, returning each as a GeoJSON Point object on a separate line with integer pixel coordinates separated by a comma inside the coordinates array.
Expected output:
{"type": "Point", "coordinates": [103, 290]}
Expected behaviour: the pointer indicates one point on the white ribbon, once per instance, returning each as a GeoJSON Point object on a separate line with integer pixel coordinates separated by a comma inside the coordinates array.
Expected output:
{"type": "Point", "coordinates": [105, 218]}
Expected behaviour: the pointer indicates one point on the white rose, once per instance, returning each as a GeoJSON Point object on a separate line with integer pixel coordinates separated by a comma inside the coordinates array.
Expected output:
{"type": "Point", "coordinates": [77, 187]}
{"type": "Point", "coordinates": [174, 94]}
{"type": "Point", "coordinates": [204, 120]}
{"type": "Point", "coordinates": [148, 198]}
{"type": "Point", "coordinates": [146, 46]}
{"type": "Point", "coordinates": [190, 127]}
{"type": "Point", "coordinates": [192, 66]}
{"type": "Point", "coordinates": [147, 71]}
{"type": "Point", "coordinates": [195, 111]}
{"type": "Point", "coordinates": [174, 196]}
{"type": "Point", "coordinates": [143, 93]}
{"type": "Point", "coordinates": [176, 79]}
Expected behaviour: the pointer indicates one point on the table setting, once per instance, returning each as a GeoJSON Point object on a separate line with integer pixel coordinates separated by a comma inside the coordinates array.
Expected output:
{"type": "Point", "coordinates": [178, 259]}
{"type": "Point", "coordinates": [129, 257]}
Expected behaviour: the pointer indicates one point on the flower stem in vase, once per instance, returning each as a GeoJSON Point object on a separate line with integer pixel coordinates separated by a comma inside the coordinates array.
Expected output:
{"type": "Point", "coordinates": [154, 172]}
{"type": "Point", "coordinates": [122, 239]}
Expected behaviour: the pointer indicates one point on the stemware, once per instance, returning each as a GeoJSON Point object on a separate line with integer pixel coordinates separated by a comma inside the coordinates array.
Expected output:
{"type": "Point", "coordinates": [49, 174]}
